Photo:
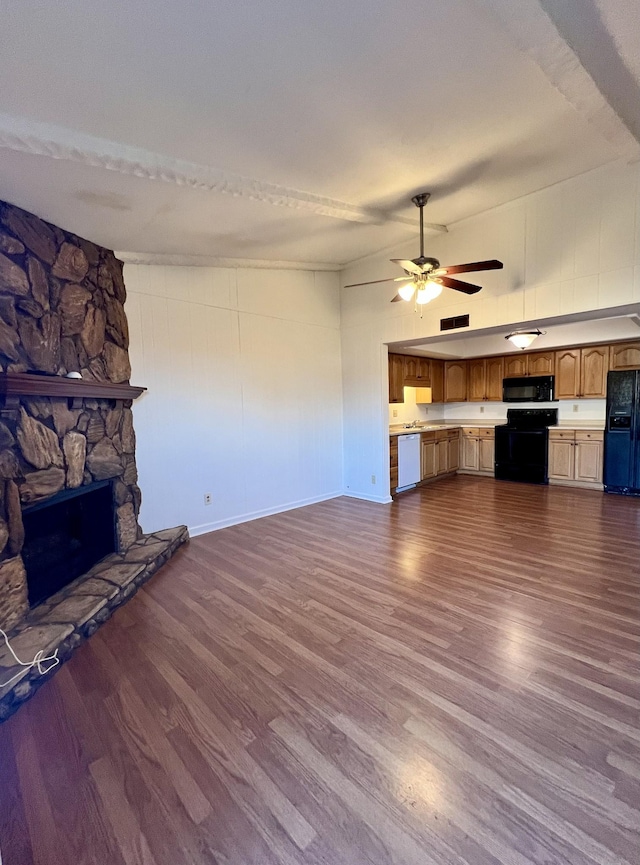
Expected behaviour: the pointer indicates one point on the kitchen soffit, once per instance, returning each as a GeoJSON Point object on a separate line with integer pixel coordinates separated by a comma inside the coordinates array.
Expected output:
{"type": "Point", "coordinates": [575, 330]}
{"type": "Point", "coordinates": [317, 121]}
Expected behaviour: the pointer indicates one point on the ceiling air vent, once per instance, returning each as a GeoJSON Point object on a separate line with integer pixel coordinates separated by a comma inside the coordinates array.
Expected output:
{"type": "Point", "coordinates": [454, 323]}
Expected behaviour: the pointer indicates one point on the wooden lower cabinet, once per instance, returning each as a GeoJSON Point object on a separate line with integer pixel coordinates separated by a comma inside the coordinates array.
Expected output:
{"type": "Point", "coordinates": [470, 461]}
{"type": "Point", "coordinates": [589, 457]}
{"type": "Point", "coordinates": [393, 462]}
{"type": "Point", "coordinates": [396, 378]}
{"type": "Point", "coordinates": [428, 464]}
{"type": "Point", "coordinates": [478, 451]}
{"type": "Point", "coordinates": [442, 455]}
{"type": "Point", "coordinates": [439, 453]}
{"type": "Point", "coordinates": [576, 457]}
{"type": "Point", "coordinates": [561, 455]}
{"type": "Point", "coordinates": [453, 455]}
{"type": "Point", "coordinates": [487, 455]}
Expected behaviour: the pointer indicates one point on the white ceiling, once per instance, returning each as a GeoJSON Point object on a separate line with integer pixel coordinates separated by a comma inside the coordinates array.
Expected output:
{"type": "Point", "coordinates": [288, 131]}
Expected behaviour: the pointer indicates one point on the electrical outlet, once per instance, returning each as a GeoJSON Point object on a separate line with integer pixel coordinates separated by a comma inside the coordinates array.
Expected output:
{"type": "Point", "coordinates": [395, 412]}
{"type": "Point", "coordinates": [481, 409]}
{"type": "Point", "coordinates": [576, 406]}
{"type": "Point", "coordinates": [207, 498]}
{"type": "Point", "coordinates": [373, 479]}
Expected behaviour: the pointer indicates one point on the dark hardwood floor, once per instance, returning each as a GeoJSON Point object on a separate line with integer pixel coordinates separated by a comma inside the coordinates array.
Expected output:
{"type": "Point", "coordinates": [453, 678]}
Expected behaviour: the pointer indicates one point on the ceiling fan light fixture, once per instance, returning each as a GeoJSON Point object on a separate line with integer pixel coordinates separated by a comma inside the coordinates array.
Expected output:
{"type": "Point", "coordinates": [426, 275]}
{"type": "Point", "coordinates": [407, 291]}
{"type": "Point", "coordinates": [428, 292]}
{"type": "Point", "coordinates": [523, 338]}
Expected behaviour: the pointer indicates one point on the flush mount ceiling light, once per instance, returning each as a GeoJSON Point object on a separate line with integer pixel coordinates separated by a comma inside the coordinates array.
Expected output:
{"type": "Point", "coordinates": [524, 338]}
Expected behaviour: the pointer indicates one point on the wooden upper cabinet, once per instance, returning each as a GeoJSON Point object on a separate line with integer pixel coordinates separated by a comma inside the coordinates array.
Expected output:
{"type": "Point", "coordinates": [476, 380]}
{"type": "Point", "coordinates": [484, 379]}
{"type": "Point", "coordinates": [437, 381]}
{"type": "Point", "coordinates": [541, 362]}
{"type": "Point", "coordinates": [594, 366]}
{"type": "Point", "coordinates": [515, 365]}
{"type": "Point", "coordinates": [455, 381]}
{"type": "Point", "coordinates": [567, 373]}
{"type": "Point", "coordinates": [529, 363]}
{"type": "Point", "coordinates": [494, 376]}
{"type": "Point", "coordinates": [417, 371]}
{"type": "Point", "coordinates": [582, 372]}
{"type": "Point", "coordinates": [396, 378]}
{"type": "Point", "coordinates": [625, 355]}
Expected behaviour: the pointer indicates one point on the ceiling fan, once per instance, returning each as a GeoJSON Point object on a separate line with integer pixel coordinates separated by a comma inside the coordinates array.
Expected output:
{"type": "Point", "coordinates": [426, 276]}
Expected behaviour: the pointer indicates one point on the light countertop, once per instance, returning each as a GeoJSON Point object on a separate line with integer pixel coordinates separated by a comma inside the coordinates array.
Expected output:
{"type": "Point", "coordinates": [431, 426]}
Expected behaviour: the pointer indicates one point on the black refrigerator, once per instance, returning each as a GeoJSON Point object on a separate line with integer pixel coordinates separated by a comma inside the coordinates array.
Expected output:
{"type": "Point", "coordinates": [622, 433]}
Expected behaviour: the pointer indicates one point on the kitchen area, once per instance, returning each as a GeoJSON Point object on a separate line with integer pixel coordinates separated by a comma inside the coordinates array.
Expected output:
{"type": "Point", "coordinates": [567, 415]}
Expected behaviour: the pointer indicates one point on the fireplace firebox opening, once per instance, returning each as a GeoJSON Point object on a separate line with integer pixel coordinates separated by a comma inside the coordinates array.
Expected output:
{"type": "Point", "coordinates": [65, 536]}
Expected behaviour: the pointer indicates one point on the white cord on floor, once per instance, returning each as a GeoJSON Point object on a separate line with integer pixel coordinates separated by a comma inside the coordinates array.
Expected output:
{"type": "Point", "coordinates": [39, 660]}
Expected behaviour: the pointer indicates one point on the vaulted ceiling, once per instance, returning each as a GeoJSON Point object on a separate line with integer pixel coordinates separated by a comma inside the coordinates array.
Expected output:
{"type": "Point", "coordinates": [281, 131]}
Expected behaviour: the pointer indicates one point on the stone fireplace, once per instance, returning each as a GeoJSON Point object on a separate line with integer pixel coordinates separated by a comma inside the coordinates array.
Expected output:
{"type": "Point", "coordinates": [62, 311]}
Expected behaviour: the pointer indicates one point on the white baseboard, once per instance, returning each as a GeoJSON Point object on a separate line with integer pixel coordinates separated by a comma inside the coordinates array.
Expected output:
{"type": "Point", "coordinates": [205, 528]}
{"type": "Point", "coordinates": [366, 497]}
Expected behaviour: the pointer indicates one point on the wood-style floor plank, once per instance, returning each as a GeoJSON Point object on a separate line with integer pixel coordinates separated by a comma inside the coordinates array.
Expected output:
{"type": "Point", "coordinates": [453, 679]}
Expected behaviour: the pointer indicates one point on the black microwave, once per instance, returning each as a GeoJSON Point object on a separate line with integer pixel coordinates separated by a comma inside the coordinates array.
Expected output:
{"type": "Point", "coordinates": [533, 388]}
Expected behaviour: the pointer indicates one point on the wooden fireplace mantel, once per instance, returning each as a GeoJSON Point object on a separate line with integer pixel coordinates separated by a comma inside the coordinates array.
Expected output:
{"type": "Point", "coordinates": [14, 385]}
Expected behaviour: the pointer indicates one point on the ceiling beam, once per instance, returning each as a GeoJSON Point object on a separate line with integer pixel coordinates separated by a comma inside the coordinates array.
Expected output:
{"type": "Point", "coordinates": [56, 142]}
{"type": "Point", "coordinates": [570, 44]}
{"type": "Point", "coordinates": [176, 260]}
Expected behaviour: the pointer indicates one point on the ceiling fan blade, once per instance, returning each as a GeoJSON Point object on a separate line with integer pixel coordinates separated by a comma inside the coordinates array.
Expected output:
{"type": "Point", "coordinates": [411, 266]}
{"type": "Point", "coordinates": [372, 282]}
{"type": "Point", "coordinates": [494, 264]}
{"type": "Point", "coordinates": [396, 298]}
{"type": "Point", "coordinates": [456, 284]}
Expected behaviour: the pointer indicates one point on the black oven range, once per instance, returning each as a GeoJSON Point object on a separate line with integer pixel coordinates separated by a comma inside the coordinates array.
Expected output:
{"type": "Point", "coordinates": [522, 445]}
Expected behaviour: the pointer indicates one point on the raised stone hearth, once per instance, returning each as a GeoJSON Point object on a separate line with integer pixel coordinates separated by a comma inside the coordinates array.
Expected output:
{"type": "Point", "coordinates": [68, 618]}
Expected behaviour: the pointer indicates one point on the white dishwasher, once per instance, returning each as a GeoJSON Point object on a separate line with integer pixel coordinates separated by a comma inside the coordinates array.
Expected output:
{"type": "Point", "coordinates": [408, 461]}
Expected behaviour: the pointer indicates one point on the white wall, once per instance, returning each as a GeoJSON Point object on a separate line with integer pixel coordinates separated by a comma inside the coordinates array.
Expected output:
{"type": "Point", "coordinates": [587, 409]}
{"type": "Point", "coordinates": [244, 393]}
{"type": "Point", "coordinates": [566, 249]}
{"type": "Point", "coordinates": [409, 410]}
{"type": "Point", "coordinates": [568, 410]}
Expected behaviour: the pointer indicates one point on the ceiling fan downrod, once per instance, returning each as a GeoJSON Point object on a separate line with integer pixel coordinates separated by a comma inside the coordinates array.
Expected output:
{"type": "Point", "coordinates": [420, 200]}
